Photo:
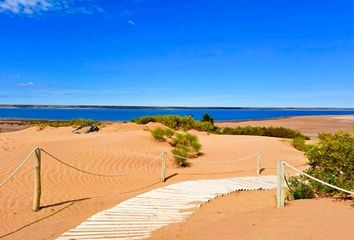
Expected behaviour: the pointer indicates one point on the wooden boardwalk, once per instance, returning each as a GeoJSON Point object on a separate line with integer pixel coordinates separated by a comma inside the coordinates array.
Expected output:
{"type": "Point", "coordinates": [138, 217]}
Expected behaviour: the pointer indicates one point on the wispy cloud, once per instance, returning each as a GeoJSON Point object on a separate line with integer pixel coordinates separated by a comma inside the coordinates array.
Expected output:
{"type": "Point", "coordinates": [131, 22]}
{"type": "Point", "coordinates": [35, 7]}
{"type": "Point", "coordinates": [26, 84]}
{"type": "Point", "coordinates": [25, 6]}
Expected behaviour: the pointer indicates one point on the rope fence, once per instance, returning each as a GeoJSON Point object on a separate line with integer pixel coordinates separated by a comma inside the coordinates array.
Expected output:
{"type": "Point", "coordinates": [193, 161]}
{"type": "Point", "coordinates": [17, 169]}
{"type": "Point", "coordinates": [161, 157]}
{"type": "Point", "coordinates": [103, 175]}
{"type": "Point", "coordinates": [282, 181]}
{"type": "Point", "coordinates": [224, 161]}
{"type": "Point", "coordinates": [37, 171]}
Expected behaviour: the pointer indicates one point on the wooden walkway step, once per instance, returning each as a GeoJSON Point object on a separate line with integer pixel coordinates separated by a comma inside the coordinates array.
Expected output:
{"type": "Point", "coordinates": [138, 217]}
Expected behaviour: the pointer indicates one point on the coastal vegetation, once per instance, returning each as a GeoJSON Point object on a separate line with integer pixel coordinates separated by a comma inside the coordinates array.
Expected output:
{"type": "Point", "coordinates": [300, 144]}
{"type": "Point", "coordinates": [80, 122]}
{"type": "Point", "coordinates": [185, 145]}
{"type": "Point", "coordinates": [280, 132]}
{"type": "Point", "coordinates": [331, 160]}
{"type": "Point", "coordinates": [160, 134]}
{"type": "Point", "coordinates": [207, 125]}
{"type": "Point", "coordinates": [177, 122]}
{"type": "Point", "coordinates": [207, 118]}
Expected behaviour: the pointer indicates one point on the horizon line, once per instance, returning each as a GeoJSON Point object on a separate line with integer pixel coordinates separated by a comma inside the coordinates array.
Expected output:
{"type": "Point", "coordinates": [157, 107]}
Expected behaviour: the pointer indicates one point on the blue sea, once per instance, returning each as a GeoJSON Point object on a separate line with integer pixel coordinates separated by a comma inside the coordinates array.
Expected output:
{"type": "Point", "coordinates": [126, 114]}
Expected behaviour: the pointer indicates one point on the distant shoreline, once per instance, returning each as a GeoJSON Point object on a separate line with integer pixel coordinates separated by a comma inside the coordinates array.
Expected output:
{"type": "Point", "coordinates": [166, 107]}
{"type": "Point", "coordinates": [25, 120]}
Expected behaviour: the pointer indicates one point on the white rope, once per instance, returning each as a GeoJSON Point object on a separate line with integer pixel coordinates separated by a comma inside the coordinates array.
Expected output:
{"type": "Point", "coordinates": [226, 161]}
{"type": "Point", "coordinates": [174, 155]}
{"type": "Point", "coordinates": [102, 175]}
{"type": "Point", "coordinates": [17, 169]}
{"type": "Point", "coordinates": [205, 161]}
{"type": "Point", "coordinates": [318, 180]}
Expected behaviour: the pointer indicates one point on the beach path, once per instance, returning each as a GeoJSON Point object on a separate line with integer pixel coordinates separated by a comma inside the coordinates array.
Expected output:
{"type": "Point", "coordinates": [138, 217]}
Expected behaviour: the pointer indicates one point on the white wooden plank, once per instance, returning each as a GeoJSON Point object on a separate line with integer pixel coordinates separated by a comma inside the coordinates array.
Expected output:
{"type": "Point", "coordinates": [138, 217]}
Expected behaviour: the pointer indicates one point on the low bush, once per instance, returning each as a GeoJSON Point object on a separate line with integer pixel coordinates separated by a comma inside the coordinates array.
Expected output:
{"type": "Point", "coordinates": [160, 133]}
{"type": "Point", "coordinates": [207, 118]}
{"type": "Point", "coordinates": [300, 189]}
{"type": "Point", "coordinates": [177, 122]}
{"type": "Point", "coordinates": [204, 126]}
{"type": "Point", "coordinates": [180, 156]}
{"type": "Point", "coordinates": [185, 145]}
{"type": "Point", "coordinates": [207, 125]}
{"type": "Point", "coordinates": [279, 132]}
{"type": "Point", "coordinates": [300, 144]}
{"type": "Point", "coordinates": [80, 122]}
{"type": "Point", "coordinates": [331, 160]}
{"type": "Point", "coordinates": [171, 121]}
{"type": "Point", "coordinates": [187, 140]}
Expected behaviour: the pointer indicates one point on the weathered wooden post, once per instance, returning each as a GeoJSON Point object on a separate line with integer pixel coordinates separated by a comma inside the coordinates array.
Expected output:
{"type": "Point", "coordinates": [258, 167]}
{"type": "Point", "coordinates": [280, 185]}
{"type": "Point", "coordinates": [37, 180]}
{"type": "Point", "coordinates": [163, 166]}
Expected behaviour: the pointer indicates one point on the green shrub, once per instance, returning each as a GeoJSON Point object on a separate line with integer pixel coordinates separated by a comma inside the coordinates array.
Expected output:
{"type": "Point", "coordinates": [300, 144]}
{"type": "Point", "coordinates": [300, 189]}
{"type": "Point", "coordinates": [80, 122]}
{"type": "Point", "coordinates": [180, 155]}
{"type": "Point", "coordinates": [207, 118]}
{"type": "Point", "coordinates": [187, 145]}
{"type": "Point", "coordinates": [171, 121]}
{"type": "Point", "coordinates": [279, 132]}
{"type": "Point", "coordinates": [188, 141]}
{"type": "Point", "coordinates": [206, 125]}
{"type": "Point", "coordinates": [331, 160]}
{"type": "Point", "coordinates": [177, 122]}
{"type": "Point", "coordinates": [160, 133]}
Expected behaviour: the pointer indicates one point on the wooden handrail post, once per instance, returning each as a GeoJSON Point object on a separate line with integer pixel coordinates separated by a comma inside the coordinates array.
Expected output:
{"type": "Point", "coordinates": [258, 163]}
{"type": "Point", "coordinates": [280, 185]}
{"type": "Point", "coordinates": [163, 166]}
{"type": "Point", "coordinates": [37, 180]}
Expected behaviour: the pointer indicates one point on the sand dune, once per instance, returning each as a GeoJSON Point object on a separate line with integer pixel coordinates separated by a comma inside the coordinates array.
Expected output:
{"type": "Point", "coordinates": [69, 196]}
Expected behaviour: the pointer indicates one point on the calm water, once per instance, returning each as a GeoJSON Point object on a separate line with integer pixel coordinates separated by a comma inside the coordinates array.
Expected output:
{"type": "Point", "coordinates": [128, 114]}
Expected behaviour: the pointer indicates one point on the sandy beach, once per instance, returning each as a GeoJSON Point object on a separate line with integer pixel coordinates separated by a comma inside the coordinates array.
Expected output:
{"type": "Point", "coordinates": [69, 197]}
{"type": "Point", "coordinates": [308, 125]}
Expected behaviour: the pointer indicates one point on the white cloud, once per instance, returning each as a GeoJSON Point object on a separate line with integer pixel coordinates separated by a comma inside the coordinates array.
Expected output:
{"type": "Point", "coordinates": [31, 7]}
{"type": "Point", "coordinates": [26, 84]}
{"type": "Point", "coordinates": [27, 7]}
{"type": "Point", "coordinates": [131, 22]}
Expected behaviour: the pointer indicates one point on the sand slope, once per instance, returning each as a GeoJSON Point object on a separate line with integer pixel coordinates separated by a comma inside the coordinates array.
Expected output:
{"type": "Point", "coordinates": [69, 197]}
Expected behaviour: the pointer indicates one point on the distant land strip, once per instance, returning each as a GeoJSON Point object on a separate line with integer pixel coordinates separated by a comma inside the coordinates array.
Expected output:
{"type": "Point", "coordinates": [165, 107]}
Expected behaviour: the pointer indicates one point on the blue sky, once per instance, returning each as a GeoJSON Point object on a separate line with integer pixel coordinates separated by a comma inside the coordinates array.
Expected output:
{"type": "Point", "coordinates": [182, 53]}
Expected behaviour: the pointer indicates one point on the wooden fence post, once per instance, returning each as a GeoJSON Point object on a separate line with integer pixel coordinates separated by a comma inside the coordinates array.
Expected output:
{"type": "Point", "coordinates": [258, 164]}
{"type": "Point", "coordinates": [280, 185]}
{"type": "Point", "coordinates": [37, 180]}
{"type": "Point", "coordinates": [163, 166]}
